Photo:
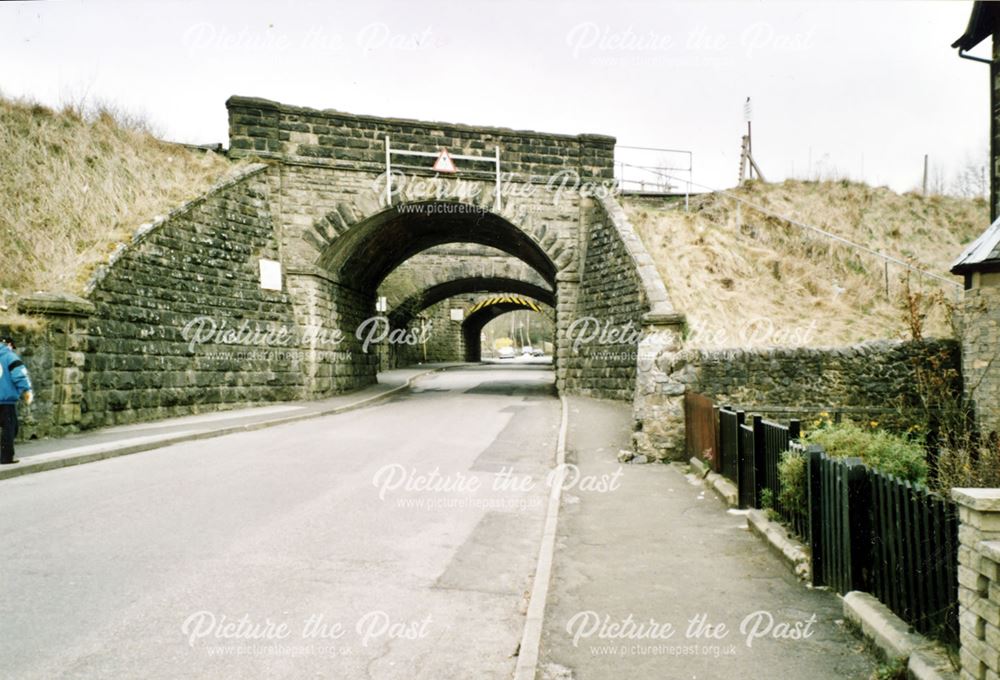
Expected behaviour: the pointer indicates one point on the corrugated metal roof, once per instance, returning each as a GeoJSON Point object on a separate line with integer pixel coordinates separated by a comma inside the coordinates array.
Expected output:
{"type": "Point", "coordinates": [984, 250]}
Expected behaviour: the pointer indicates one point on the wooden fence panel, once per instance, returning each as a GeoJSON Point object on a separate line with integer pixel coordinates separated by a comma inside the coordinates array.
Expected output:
{"type": "Point", "coordinates": [746, 478]}
{"type": "Point", "coordinates": [915, 554]}
{"type": "Point", "coordinates": [729, 442]}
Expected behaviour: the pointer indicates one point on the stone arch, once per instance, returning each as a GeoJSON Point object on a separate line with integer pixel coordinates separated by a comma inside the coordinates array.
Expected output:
{"type": "Point", "coordinates": [416, 303]}
{"type": "Point", "coordinates": [452, 261]}
{"type": "Point", "coordinates": [351, 267]}
{"type": "Point", "coordinates": [364, 251]}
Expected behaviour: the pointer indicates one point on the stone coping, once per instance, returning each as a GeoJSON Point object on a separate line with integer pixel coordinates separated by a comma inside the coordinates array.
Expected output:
{"type": "Point", "coordinates": [55, 304]}
{"type": "Point", "coordinates": [990, 549]}
{"type": "Point", "coordinates": [982, 500]}
{"type": "Point", "coordinates": [652, 284]}
{"type": "Point", "coordinates": [925, 659]}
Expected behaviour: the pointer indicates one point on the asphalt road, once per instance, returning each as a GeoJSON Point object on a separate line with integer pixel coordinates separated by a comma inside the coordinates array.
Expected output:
{"type": "Point", "coordinates": [351, 546]}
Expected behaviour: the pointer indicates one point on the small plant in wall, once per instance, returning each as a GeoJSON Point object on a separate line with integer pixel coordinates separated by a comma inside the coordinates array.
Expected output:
{"type": "Point", "coordinates": [767, 504]}
{"type": "Point", "coordinates": [890, 670]}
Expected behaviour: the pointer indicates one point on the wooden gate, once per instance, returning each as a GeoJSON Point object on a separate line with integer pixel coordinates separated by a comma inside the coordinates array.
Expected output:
{"type": "Point", "coordinates": [701, 429]}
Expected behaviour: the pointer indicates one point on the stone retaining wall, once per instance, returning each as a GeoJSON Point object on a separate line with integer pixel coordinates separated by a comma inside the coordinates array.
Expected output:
{"type": "Point", "coordinates": [201, 261]}
{"type": "Point", "coordinates": [873, 380]}
{"type": "Point", "coordinates": [610, 296]}
{"type": "Point", "coordinates": [54, 355]}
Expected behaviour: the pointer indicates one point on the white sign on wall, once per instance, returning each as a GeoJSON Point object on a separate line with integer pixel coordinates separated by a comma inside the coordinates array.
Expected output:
{"type": "Point", "coordinates": [457, 314]}
{"type": "Point", "coordinates": [270, 274]}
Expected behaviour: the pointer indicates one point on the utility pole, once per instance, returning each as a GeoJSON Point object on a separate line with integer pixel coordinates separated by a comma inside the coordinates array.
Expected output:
{"type": "Point", "coordinates": [925, 174]}
{"type": "Point", "coordinates": [748, 115]}
{"type": "Point", "coordinates": [748, 166]}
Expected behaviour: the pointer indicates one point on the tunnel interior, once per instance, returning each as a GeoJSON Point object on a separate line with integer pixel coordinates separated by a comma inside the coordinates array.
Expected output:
{"type": "Point", "coordinates": [361, 259]}
{"type": "Point", "coordinates": [474, 325]}
{"type": "Point", "coordinates": [418, 302]}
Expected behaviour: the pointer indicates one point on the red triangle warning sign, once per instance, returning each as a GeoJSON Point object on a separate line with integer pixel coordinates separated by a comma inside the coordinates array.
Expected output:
{"type": "Point", "coordinates": [444, 162]}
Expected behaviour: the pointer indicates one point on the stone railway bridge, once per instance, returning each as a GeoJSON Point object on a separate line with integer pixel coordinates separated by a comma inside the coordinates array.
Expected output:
{"type": "Point", "coordinates": [310, 236]}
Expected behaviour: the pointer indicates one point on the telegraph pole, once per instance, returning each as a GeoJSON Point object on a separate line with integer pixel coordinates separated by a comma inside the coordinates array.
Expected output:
{"type": "Point", "coordinates": [748, 166]}
{"type": "Point", "coordinates": [748, 115]}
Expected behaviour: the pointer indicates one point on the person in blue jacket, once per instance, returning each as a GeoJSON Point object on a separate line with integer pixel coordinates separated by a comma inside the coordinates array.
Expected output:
{"type": "Point", "coordinates": [14, 383]}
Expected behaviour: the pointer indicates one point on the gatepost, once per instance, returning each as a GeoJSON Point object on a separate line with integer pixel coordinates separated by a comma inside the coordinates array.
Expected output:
{"type": "Point", "coordinates": [59, 405]}
{"type": "Point", "coordinates": [979, 582]}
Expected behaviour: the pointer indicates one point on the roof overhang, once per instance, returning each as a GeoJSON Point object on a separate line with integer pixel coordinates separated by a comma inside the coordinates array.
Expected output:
{"type": "Point", "coordinates": [983, 254]}
{"type": "Point", "coordinates": [983, 22]}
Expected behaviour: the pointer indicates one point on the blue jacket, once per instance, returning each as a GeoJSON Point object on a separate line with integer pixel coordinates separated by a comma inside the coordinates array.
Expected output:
{"type": "Point", "coordinates": [14, 380]}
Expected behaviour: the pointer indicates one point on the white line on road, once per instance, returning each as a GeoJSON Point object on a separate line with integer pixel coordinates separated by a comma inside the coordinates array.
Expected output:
{"type": "Point", "coordinates": [527, 658]}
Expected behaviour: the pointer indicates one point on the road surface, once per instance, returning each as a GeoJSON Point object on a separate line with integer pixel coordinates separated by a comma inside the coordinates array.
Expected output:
{"type": "Point", "coordinates": [351, 546]}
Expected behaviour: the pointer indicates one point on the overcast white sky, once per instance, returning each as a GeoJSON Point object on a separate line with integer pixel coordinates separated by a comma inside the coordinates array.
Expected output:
{"type": "Point", "coordinates": [863, 89]}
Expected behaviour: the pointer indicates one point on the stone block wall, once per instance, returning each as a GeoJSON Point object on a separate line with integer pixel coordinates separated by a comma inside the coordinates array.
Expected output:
{"type": "Point", "coordinates": [353, 368]}
{"type": "Point", "coordinates": [262, 127]}
{"type": "Point", "coordinates": [55, 357]}
{"type": "Point", "coordinates": [871, 380]}
{"type": "Point", "coordinates": [980, 320]}
{"type": "Point", "coordinates": [36, 347]}
{"type": "Point", "coordinates": [201, 261]}
{"type": "Point", "coordinates": [618, 290]}
{"type": "Point", "coordinates": [444, 339]}
{"type": "Point", "coordinates": [323, 307]}
{"type": "Point", "coordinates": [610, 297]}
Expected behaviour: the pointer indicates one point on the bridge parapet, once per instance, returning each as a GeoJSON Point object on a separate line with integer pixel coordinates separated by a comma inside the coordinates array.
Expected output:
{"type": "Point", "coordinates": [265, 128]}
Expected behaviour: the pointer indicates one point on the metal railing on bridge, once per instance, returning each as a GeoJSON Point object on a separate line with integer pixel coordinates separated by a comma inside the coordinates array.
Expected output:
{"type": "Point", "coordinates": [652, 170]}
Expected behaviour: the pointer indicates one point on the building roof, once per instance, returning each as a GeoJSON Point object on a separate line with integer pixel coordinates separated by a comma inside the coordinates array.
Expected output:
{"type": "Point", "coordinates": [983, 22]}
{"type": "Point", "coordinates": [983, 253]}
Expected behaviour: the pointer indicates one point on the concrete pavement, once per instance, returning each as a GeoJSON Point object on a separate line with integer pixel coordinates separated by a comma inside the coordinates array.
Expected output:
{"type": "Point", "coordinates": [636, 564]}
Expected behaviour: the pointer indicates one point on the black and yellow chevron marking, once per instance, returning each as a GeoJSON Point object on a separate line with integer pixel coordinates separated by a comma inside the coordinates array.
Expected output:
{"type": "Point", "coordinates": [508, 300]}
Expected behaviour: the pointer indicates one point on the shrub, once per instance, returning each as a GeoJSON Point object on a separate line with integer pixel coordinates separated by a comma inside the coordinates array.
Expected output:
{"type": "Point", "coordinates": [767, 499]}
{"type": "Point", "coordinates": [883, 451]}
{"type": "Point", "coordinates": [792, 478]}
{"type": "Point", "coordinates": [889, 453]}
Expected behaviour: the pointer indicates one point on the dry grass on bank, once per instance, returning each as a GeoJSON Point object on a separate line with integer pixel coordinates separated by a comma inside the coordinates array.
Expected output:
{"type": "Point", "coordinates": [743, 277]}
{"type": "Point", "coordinates": [75, 184]}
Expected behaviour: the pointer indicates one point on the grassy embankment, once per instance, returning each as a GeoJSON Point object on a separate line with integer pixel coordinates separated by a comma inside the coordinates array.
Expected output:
{"type": "Point", "coordinates": [75, 185]}
{"type": "Point", "coordinates": [744, 277]}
